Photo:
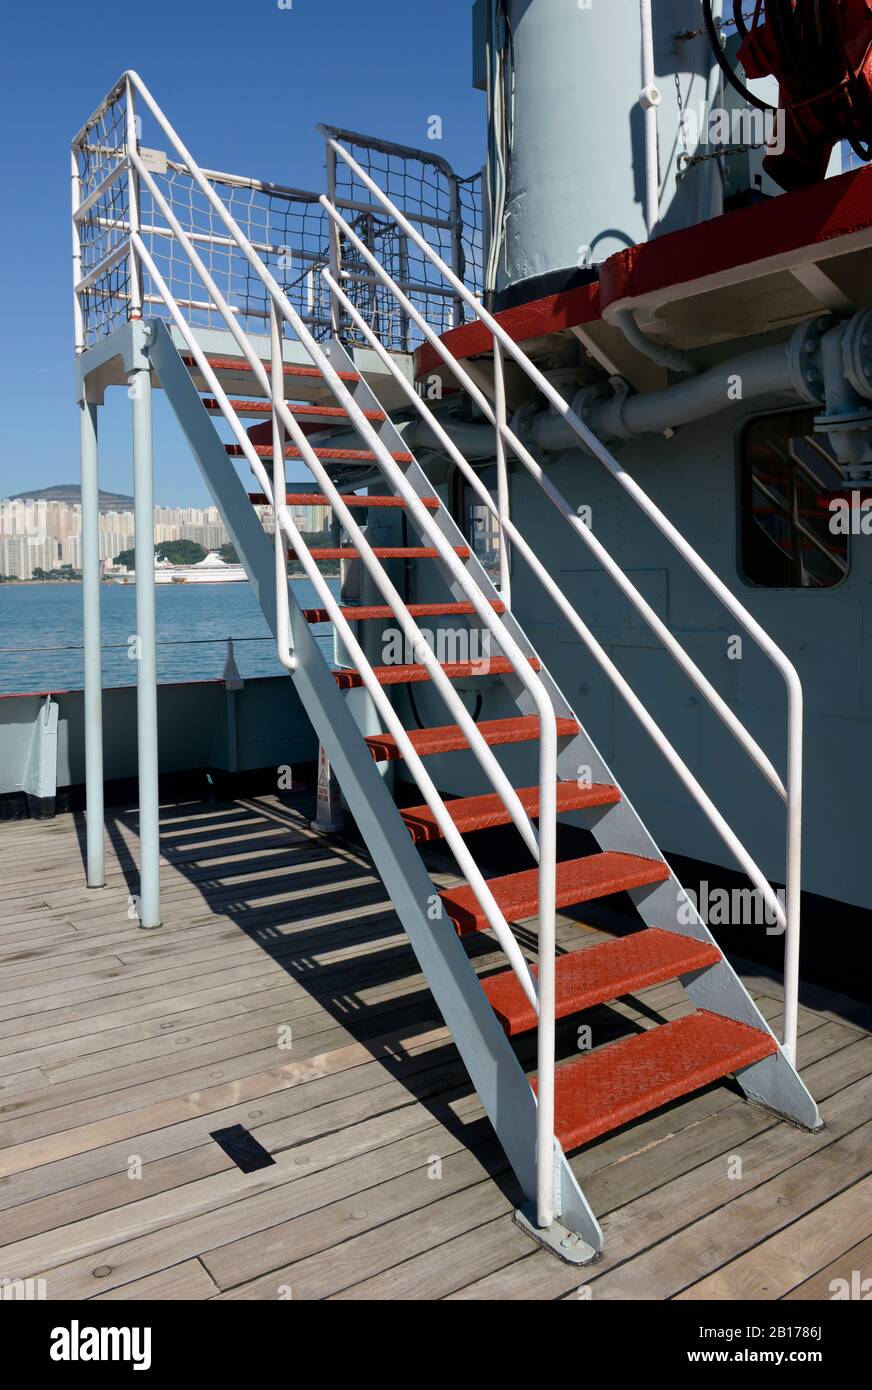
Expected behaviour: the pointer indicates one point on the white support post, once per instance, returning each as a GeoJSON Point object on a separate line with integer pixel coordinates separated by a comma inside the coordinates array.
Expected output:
{"type": "Point", "coordinates": [96, 872]}
{"type": "Point", "coordinates": [649, 100]}
{"type": "Point", "coordinates": [146, 650]}
{"type": "Point", "coordinates": [502, 475]}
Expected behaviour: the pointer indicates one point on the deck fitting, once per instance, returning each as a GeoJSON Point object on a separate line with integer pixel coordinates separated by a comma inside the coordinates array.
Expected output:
{"type": "Point", "coordinates": [567, 1245]}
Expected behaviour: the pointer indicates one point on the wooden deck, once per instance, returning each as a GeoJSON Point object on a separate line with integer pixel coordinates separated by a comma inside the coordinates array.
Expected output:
{"type": "Point", "coordinates": [121, 1051]}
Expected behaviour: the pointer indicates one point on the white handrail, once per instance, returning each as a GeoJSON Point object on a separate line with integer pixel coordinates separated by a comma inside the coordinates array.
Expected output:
{"type": "Point", "coordinates": [754, 872]}
{"type": "Point", "coordinates": [505, 433]}
{"type": "Point", "coordinates": [543, 845]}
{"type": "Point", "coordinates": [789, 918]}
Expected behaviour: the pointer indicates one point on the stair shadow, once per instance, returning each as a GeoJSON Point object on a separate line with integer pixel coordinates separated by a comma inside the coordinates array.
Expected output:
{"type": "Point", "coordinates": [361, 969]}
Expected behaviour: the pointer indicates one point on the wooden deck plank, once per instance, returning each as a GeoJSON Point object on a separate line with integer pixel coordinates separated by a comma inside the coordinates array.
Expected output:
{"type": "Point", "coordinates": [847, 1278]}
{"type": "Point", "coordinates": [65, 1175]}
{"type": "Point", "coordinates": [117, 1044]}
{"type": "Point", "coordinates": [772, 1268]}
{"type": "Point", "coordinates": [187, 1282]}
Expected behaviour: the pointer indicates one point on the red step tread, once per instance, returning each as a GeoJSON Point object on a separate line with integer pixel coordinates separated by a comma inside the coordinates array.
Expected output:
{"type": "Point", "coordinates": [449, 738]}
{"type": "Point", "coordinates": [596, 974]}
{"type": "Point", "coordinates": [408, 675]}
{"type": "Point", "coordinates": [354, 499]}
{"type": "Point", "coordinates": [329, 412]}
{"type": "Point", "coordinates": [353, 455]}
{"type": "Point", "coordinates": [383, 552]}
{"type": "Point", "coordinates": [578, 881]}
{"type": "Point", "coordinates": [417, 610]}
{"type": "Point", "coordinates": [233, 364]}
{"type": "Point", "coordinates": [608, 1088]}
{"type": "Point", "coordinates": [485, 812]}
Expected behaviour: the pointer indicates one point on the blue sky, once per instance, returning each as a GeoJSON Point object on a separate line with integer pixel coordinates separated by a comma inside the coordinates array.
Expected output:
{"type": "Point", "coordinates": [245, 84]}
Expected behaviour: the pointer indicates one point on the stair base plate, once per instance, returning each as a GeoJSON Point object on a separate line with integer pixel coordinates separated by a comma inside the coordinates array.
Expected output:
{"type": "Point", "coordinates": [566, 1245]}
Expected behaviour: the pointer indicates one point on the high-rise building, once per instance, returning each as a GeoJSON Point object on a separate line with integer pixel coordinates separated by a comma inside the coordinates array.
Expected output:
{"type": "Point", "coordinates": [55, 527]}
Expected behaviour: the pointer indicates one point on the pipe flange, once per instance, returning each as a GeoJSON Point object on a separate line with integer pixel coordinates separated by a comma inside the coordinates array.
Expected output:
{"type": "Point", "coordinates": [600, 406]}
{"type": "Point", "coordinates": [521, 422]}
{"type": "Point", "coordinates": [857, 352]}
{"type": "Point", "coordinates": [805, 361]}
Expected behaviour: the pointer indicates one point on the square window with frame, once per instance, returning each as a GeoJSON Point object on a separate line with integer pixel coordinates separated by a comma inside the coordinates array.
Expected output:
{"type": "Point", "coordinates": [788, 473]}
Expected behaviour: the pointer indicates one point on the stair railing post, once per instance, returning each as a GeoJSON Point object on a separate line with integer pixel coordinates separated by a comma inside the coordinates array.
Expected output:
{"type": "Point", "coordinates": [146, 647]}
{"type": "Point", "coordinates": [131, 137]}
{"type": "Point", "coordinates": [456, 247]}
{"type": "Point", "coordinates": [277, 383]}
{"type": "Point", "coordinates": [333, 242]}
{"type": "Point", "coordinates": [547, 972]}
{"type": "Point", "coordinates": [793, 877]}
{"type": "Point", "coordinates": [502, 474]}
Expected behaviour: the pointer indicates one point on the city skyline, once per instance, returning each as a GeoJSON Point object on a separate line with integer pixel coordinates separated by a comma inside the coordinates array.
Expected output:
{"type": "Point", "coordinates": [41, 535]}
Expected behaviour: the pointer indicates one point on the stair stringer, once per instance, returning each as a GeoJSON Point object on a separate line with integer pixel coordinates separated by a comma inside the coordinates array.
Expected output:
{"type": "Point", "coordinates": [487, 1053]}
{"type": "Point", "coordinates": [773, 1082]}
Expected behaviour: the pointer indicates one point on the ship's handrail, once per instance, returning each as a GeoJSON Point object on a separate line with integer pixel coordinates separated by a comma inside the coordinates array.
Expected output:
{"type": "Point", "coordinates": [790, 789]}
{"type": "Point", "coordinates": [540, 992]}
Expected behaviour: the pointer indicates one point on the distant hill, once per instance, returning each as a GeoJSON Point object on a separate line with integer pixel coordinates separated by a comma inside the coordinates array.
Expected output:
{"type": "Point", "coordinates": [71, 493]}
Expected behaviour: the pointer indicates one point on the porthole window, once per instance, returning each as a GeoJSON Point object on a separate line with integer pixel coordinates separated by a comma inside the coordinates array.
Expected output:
{"type": "Point", "coordinates": [788, 475]}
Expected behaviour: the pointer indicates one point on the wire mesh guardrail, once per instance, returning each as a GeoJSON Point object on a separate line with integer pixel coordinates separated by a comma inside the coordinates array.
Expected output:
{"type": "Point", "coordinates": [287, 227]}
{"type": "Point", "coordinates": [101, 207]}
{"type": "Point", "coordinates": [444, 208]}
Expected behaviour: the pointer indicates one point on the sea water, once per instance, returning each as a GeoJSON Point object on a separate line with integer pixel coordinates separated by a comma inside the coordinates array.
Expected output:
{"type": "Point", "coordinates": [41, 633]}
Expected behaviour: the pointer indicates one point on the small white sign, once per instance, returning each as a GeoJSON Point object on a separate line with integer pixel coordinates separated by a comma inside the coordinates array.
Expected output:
{"type": "Point", "coordinates": [154, 160]}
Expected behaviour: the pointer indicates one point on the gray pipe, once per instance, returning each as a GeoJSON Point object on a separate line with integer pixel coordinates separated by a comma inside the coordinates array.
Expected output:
{"type": "Point", "coordinates": [795, 369]}
{"type": "Point", "coordinates": [614, 416]}
{"type": "Point", "coordinates": [764, 372]}
{"type": "Point", "coordinates": [661, 353]}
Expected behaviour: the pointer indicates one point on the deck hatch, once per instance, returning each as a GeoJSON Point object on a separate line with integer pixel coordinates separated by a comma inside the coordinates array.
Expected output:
{"type": "Point", "coordinates": [240, 1145]}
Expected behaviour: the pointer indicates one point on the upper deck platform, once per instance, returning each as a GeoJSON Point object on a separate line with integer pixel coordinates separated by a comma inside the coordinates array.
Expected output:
{"type": "Point", "coordinates": [767, 266]}
{"type": "Point", "coordinates": [122, 1053]}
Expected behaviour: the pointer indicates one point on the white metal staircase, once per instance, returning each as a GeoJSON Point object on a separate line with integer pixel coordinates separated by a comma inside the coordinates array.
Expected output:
{"type": "Point", "coordinates": [394, 532]}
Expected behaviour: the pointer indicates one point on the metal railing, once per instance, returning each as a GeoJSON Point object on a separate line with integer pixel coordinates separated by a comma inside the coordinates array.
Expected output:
{"type": "Point", "coordinates": [788, 789]}
{"type": "Point", "coordinates": [445, 209]}
{"type": "Point", "coordinates": [286, 226]}
{"type": "Point", "coordinates": [137, 263]}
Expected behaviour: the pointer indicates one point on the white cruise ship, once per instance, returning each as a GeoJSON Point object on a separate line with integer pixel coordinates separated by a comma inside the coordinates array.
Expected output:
{"type": "Point", "coordinates": [211, 570]}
